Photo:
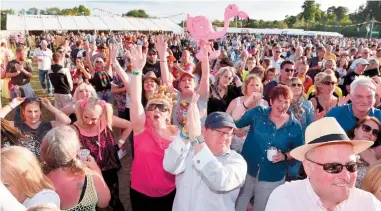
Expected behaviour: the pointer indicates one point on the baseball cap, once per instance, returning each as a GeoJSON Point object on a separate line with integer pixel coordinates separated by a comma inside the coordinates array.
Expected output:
{"type": "Point", "coordinates": [43, 42]}
{"type": "Point", "coordinates": [362, 61]}
{"type": "Point", "coordinates": [218, 120]}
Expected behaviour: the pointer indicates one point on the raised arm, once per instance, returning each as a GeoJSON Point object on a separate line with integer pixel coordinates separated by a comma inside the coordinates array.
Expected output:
{"type": "Point", "coordinates": [161, 46]}
{"type": "Point", "coordinates": [138, 116]}
{"type": "Point", "coordinates": [62, 119]}
{"type": "Point", "coordinates": [203, 89]}
{"type": "Point", "coordinates": [125, 126]}
{"type": "Point", "coordinates": [88, 59]}
{"type": "Point", "coordinates": [8, 108]}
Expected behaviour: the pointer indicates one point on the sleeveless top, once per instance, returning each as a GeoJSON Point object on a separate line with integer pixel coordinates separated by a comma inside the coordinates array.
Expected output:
{"type": "Point", "coordinates": [34, 136]}
{"type": "Point", "coordinates": [319, 107]}
{"type": "Point", "coordinates": [90, 198]}
{"type": "Point", "coordinates": [147, 173]}
{"type": "Point", "coordinates": [102, 148]}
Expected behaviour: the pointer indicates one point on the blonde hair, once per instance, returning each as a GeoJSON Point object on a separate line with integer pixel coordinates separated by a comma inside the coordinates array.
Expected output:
{"type": "Point", "coordinates": [90, 104]}
{"type": "Point", "coordinates": [322, 77]}
{"type": "Point", "coordinates": [222, 71]}
{"type": "Point", "coordinates": [59, 149]}
{"type": "Point", "coordinates": [83, 86]}
{"type": "Point", "coordinates": [293, 79]}
{"type": "Point", "coordinates": [23, 170]}
{"type": "Point", "coordinates": [249, 78]}
{"type": "Point", "coordinates": [372, 180]}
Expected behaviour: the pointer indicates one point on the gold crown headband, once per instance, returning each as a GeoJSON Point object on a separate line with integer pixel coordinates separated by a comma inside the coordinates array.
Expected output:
{"type": "Point", "coordinates": [163, 95]}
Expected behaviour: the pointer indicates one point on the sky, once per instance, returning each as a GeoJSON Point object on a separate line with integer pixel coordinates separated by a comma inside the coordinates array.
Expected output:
{"type": "Point", "coordinates": [213, 9]}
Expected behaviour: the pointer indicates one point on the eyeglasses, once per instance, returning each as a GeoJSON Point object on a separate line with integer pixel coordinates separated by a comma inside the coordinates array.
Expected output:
{"type": "Point", "coordinates": [335, 168]}
{"type": "Point", "coordinates": [296, 85]}
{"type": "Point", "coordinates": [289, 70]}
{"type": "Point", "coordinates": [366, 128]}
{"type": "Point", "coordinates": [329, 83]}
{"type": "Point", "coordinates": [161, 107]}
{"type": "Point", "coordinates": [60, 51]}
{"type": "Point", "coordinates": [228, 134]}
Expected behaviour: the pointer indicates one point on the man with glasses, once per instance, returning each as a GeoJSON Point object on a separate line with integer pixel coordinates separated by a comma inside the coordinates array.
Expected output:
{"type": "Point", "coordinates": [276, 60]}
{"type": "Point", "coordinates": [152, 64]}
{"type": "Point", "coordinates": [330, 162]}
{"type": "Point", "coordinates": [361, 66]}
{"type": "Point", "coordinates": [365, 54]}
{"type": "Point", "coordinates": [316, 63]}
{"type": "Point", "coordinates": [287, 70]}
{"type": "Point", "coordinates": [208, 174]}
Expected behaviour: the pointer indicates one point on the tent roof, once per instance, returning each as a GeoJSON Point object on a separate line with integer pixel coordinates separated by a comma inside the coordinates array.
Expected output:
{"type": "Point", "coordinates": [49, 22]}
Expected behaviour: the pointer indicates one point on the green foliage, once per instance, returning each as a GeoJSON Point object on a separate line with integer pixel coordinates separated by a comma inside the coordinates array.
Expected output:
{"type": "Point", "coordinates": [136, 13]}
{"type": "Point", "coordinates": [4, 17]}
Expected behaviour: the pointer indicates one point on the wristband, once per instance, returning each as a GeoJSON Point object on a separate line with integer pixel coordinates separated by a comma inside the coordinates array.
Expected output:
{"type": "Point", "coordinates": [243, 103]}
{"type": "Point", "coordinates": [183, 136]}
{"type": "Point", "coordinates": [135, 73]}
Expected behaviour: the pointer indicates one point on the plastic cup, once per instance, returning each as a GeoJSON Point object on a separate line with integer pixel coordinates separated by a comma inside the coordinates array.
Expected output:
{"type": "Point", "coordinates": [271, 152]}
{"type": "Point", "coordinates": [83, 154]}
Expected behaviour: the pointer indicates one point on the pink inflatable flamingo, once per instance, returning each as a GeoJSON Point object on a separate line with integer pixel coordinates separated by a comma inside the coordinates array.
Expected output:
{"type": "Point", "coordinates": [202, 30]}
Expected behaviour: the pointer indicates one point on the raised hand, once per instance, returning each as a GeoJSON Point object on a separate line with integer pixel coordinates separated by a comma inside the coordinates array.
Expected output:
{"type": "Point", "coordinates": [253, 99]}
{"type": "Point", "coordinates": [161, 46]}
{"type": "Point", "coordinates": [16, 102]}
{"type": "Point", "coordinates": [113, 52]}
{"type": "Point", "coordinates": [46, 102]}
{"type": "Point", "coordinates": [137, 58]}
{"type": "Point", "coordinates": [193, 123]}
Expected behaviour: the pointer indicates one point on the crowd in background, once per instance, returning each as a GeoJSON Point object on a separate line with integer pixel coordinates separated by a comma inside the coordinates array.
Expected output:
{"type": "Point", "coordinates": [261, 93]}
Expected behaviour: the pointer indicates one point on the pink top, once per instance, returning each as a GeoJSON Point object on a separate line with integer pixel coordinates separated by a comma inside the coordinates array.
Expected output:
{"type": "Point", "coordinates": [147, 173]}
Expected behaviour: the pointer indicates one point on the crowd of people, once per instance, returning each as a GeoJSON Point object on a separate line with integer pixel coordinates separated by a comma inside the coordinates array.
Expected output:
{"type": "Point", "coordinates": [271, 123]}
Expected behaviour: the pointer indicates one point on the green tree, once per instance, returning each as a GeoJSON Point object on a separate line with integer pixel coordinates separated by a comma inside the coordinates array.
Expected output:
{"type": "Point", "coordinates": [290, 20]}
{"type": "Point", "coordinates": [22, 12]}
{"type": "Point", "coordinates": [341, 12]}
{"type": "Point", "coordinates": [53, 11]}
{"type": "Point", "coordinates": [4, 17]}
{"type": "Point", "coordinates": [32, 11]}
{"type": "Point", "coordinates": [136, 13]}
{"type": "Point", "coordinates": [309, 9]}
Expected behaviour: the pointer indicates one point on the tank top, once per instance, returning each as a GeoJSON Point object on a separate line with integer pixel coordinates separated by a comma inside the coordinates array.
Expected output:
{"type": "Point", "coordinates": [102, 148]}
{"type": "Point", "coordinates": [147, 173]}
{"type": "Point", "coordinates": [319, 107]}
{"type": "Point", "coordinates": [90, 198]}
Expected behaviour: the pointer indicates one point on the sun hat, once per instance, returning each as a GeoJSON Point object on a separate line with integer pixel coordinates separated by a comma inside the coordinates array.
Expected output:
{"type": "Point", "coordinates": [327, 131]}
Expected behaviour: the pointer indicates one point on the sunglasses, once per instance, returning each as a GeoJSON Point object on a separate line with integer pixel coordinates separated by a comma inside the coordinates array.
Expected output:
{"type": "Point", "coordinates": [60, 51]}
{"type": "Point", "coordinates": [161, 107]}
{"type": "Point", "coordinates": [296, 85]}
{"type": "Point", "coordinates": [31, 99]}
{"type": "Point", "coordinates": [335, 168]}
{"type": "Point", "coordinates": [289, 70]}
{"type": "Point", "coordinates": [151, 54]}
{"type": "Point", "coordinates": [329, 83]}
{"type": "Point", "coordinates": [228, 134]}
{"type": "Point", "coordinates": [98, 62]}
{"type": "Point", "coordinates": [366, 128]}
{"type": "Point", "coordinates": [277, 51]}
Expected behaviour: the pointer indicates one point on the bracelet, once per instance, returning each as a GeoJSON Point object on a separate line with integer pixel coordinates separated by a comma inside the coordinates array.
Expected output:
{"type": "Point", "coordinates": [243, 103]}
{"type": "Point", "coordinates": [135, 73]}
{"type": "Point", "coordinates": [183, 136]}
{"type": "Point", "coordinates": [285, 156]}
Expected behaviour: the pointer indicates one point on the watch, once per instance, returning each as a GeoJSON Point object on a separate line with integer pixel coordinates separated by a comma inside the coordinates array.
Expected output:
{"type": "Point", "coordinates": [197, 140]}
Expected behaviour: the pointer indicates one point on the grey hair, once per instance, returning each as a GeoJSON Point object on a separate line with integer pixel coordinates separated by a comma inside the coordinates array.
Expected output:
{"type": "Point", "coordinates": [82, 86]}
{"type": "Point", "coordinates": [362, 81]}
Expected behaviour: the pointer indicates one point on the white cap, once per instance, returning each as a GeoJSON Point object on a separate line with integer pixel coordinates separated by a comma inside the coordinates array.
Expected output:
{"type": "Point", "coordinates": [362, 61]}
{"type": "Point", "coordinates": [3, 41]}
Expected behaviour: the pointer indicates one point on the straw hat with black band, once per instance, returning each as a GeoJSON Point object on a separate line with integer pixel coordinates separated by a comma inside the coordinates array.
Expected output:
{"type": "Point", "coordinates": [151, 75]}
{"type": "Point", "coordinates": [327, 131]}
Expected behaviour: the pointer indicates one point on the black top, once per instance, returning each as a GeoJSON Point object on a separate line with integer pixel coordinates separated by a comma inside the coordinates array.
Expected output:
{"type": "Point", "coordinates": [152, 67]}
{"type": "Point", "coordinates": [215, 104]}
{"type": "Point", "coordinates": [101, 81]}
{"type": "Point", "coordinates": [349, 78]}
{"type": "Point", "coordinates": [58, 77]}
{"type": "Point", "coordinates": [319, 107]}
{"type": "Point", "coordinates": [19, 79]}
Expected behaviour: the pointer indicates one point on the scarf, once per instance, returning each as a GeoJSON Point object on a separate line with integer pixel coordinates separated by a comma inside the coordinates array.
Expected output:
{"type": "Point", "coordinates": [296, 108]}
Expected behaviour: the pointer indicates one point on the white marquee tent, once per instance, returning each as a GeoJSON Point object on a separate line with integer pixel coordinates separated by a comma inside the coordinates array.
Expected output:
{"type": "Point", "coordinates": [104, 23]}
{"type": "Point", "coordinates": [299, 32]}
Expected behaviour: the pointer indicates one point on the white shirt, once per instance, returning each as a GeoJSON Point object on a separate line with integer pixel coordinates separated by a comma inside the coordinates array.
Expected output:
{"type": "Point", "coordinates": [46, 57]}
{"type": "Point", "coordinates": [276, 63]}
{"type": "Point", "coordinates": [299, 196]}
{"type": "Point", "coordinates": [204, 182]}
{"type": "Point", "coordinates": [8, 202]}
{"type": "Point", "coordinates": [43, 197]}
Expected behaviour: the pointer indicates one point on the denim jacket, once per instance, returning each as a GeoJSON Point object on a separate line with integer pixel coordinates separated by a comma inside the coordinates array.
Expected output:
{"type": "Point", "coordinates": [262, 135]}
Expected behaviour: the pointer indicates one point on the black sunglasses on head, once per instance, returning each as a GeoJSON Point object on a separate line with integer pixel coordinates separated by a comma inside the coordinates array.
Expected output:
{"type": "Point", "coordinates": [161, 107]}
{"type": "Point", "coordinates": [366, 128]}
{"type": "Point", "coordinates": [335, 168]}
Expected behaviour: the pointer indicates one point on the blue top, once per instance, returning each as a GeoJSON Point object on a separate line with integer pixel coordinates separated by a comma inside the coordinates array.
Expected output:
{"type": "Point", "coordinates": [344, 115]}
{"type": "Point", "coordinates": [262, 135]}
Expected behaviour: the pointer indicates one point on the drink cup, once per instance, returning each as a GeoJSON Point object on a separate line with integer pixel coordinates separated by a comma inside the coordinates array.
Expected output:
{"type": "Point", "coordinates": [83, 154]}
{"type": "Point", "coordinates": [271, 152]}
